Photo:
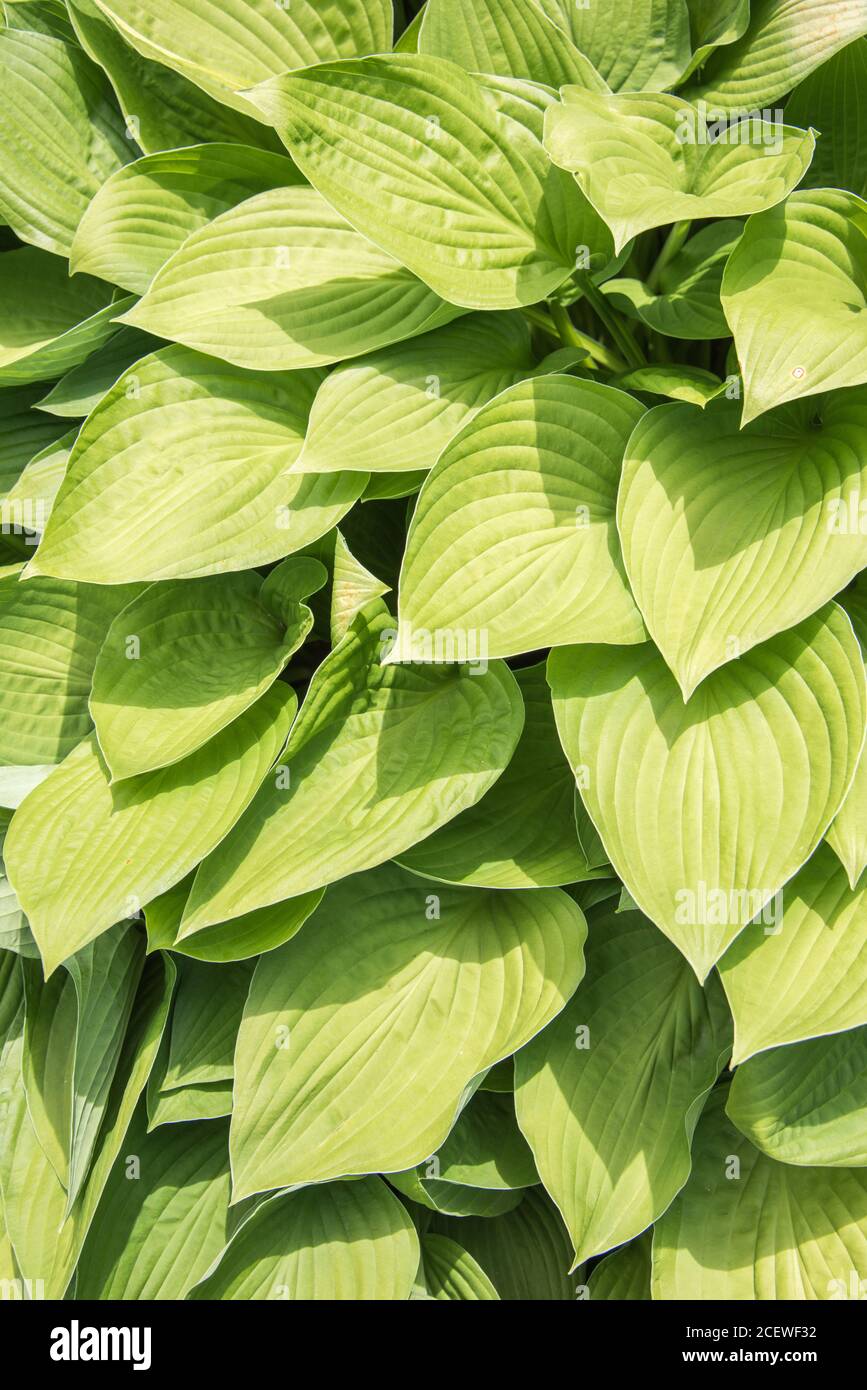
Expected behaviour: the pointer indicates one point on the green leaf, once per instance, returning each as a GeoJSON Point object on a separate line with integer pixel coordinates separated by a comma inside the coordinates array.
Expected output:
{"type": "Point", "coordinates": [78, 392]}
{"type": "Point", "coordinates": [47, 1245]}
{"type": "Point", "coordinates": [47, 1062]}
{"type": "Point", "coordinates": [526, 1253]}
{"type": "Point", "coordinates": [105, 976]}
{"type": "Point", "coordinates": [419, 998]}
{"type": "Point", "coordinates": [513, 544]}
{"type": "Point", "coordinates": [341, 1241]}
{"type": "Point", "coordinates": [806, 1104]}
{"type": "Point", "coordinates": [74, 1030]}
{"type": "Point", "coordinates": [352, 588]}
{"type": "Point", "coordinates": [645, 160]}
{"type": "Point", "coordinates": [609, 1094]}
{"type": "Point", "coordinates": [208, 1100]}
{"type": "Point", "coordinates": [162, 109]}
{"type": "Point", "coordinates": [158, 1228]}
{"type": "Point", "coordinates": [15, 935]}
{"type": "Point", "coordinates": [144, 213]}
{"type": "Point", "coordinates": [40, 17]}
{"type": "Point", "coordinates": [728, 795]}
{"type": "Point", "coordinates": [624, 1275]}
{"type": "Point", "coordinates": [848, 833]}
{"type": "Point", "coordinates": [181, 662]}
{"type": "Point", "coordinates": [115, 848]}
{"type": "Point", "coordinates": [249, 935]}
{"type": "Point", "coordinates": [730, 536]}
{"type": "Point", "coordinates": [677, 382]}
{"type": "Point", "coordinates": [511, 38]}
{"type": "Point", "coordinates": [485, 1149]}
{"type": "Point", "coordinates": [398, 408]}
{"type": "Point", "coordinates": [392, 485]}
{"type": "Point", "coordinates": [181, 471]}
{"type": "Point", "coordinates": [807, 976]}
{"type": "Point", "coordinates": [23, 431]}
{"type": "Point", "coordinates": [225, 46]}
{"type": "Point", "coordinates": [18, 782]}
{"type": "Point", "coordinates": [786, 40]}
{"type": "Point", "coordinates": [27, 505]}
{"type": "Point", "coordinates": [209, 1002]}
{"type": "Point", "coordinates": [444, 170]}
{"type": "Point", "coordinates": [834, 100]}
{"type": "Point", "coordinates": [33, 1197]}
{"type": "Point", "coordinates": [522, 833]}
{"type": "Point", "coordinates": [60, 138]}
{"type": "Point", "coordinates": [712, 23]}
{"type": "Point", "coordinates": [454, 1199]}
{"type": "Point", "coordinates": [687, 304]}
{"type": "Point", "coordinates": [282, 281]}
{"type": "Point", "coordinates": [378, 759]}
{"type": "Point", "coordinates": [761, 1230]}
{"type": "Point", "coordinates": [643, 44]}
{"type": "Point", "coordinates": [795, 295]}
{"type": "Point", "coordinates": [451, 1273]}
{"type": "Point", "coordinates": [50, 635]}
{"type": "Point", "coordinates": [50, 322]}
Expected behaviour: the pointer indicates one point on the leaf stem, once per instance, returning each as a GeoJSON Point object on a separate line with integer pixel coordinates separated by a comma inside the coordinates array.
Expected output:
{"type": "Point", "coordinates": [571, 336]}
{"type": "Point", "coordinates": [672, 244]}
{"type": "Point", "coordinates": [617, 330]}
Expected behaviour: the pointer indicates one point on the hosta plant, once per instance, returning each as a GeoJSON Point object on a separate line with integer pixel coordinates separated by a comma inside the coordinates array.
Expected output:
{"type": "Point", "coordinates": [433, 447]}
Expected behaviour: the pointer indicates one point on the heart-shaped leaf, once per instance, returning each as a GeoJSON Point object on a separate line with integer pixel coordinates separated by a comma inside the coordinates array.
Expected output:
{"type": "Point", "coordinates": [379, 758]}
{"type": "Point", "coordinates": [625, 1275]}
{"type": "Point", "coordinates": [609, 1093]}
{"type": "Point", "coordinates": [115, 848]}
{"type": "Point", "coordinates": [209, 1002]}
{"type": "Point", "coordinates": [444, 170]}
{"type": "Point", "coordinates": [806, 976]}
{"type": "Point", "coordinates": [282, 281]}
{"type": "Point", "coordinates": [240, 939]}
{"type": "Point", "coordinates": [806, 1104]}
{"type": "Point", "coordinates": [795, 294]}
{"type": "Point", "coordinates": [398, 408]}
{"type": "Point", "coordinates": [146, 211]}
{"type": "Point", "coordinates": [451, 1273]}
{"type": "Point", "coordinates": [335, 1241]}
{"type": "Point", "coordinates": [512, 544]}
{"type": "Point", "coordinates": [485, 1150]}
{"type": "Point", "coordinates": [183, 470]}
{"type": "Point", "coordinates": [730, 536]}
{"type": "Point", "coordinates": [728, 795]}
{"type": "Point", "coordinates": [80, 390]}
{"type": "Point", "coordinates": [182, 661]}
{"type": "Point", "coordinates": [417, 1002]}
{"type": "Point", "coordinates": [748, 1228]}
{"type": "Point", "coordinates": [645, 160]}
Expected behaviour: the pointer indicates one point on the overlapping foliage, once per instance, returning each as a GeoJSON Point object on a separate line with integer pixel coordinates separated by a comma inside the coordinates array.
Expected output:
{"type": "Point", "coordinates": [433, 445]}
